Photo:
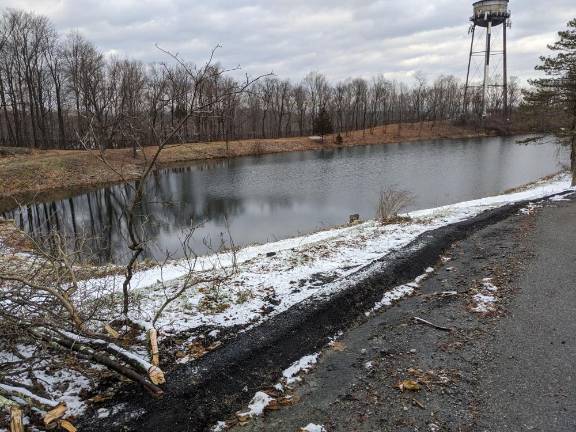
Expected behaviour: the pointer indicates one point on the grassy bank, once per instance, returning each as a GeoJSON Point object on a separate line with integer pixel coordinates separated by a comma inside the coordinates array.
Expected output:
{"type": "Point", "coordinates": [55, 173]}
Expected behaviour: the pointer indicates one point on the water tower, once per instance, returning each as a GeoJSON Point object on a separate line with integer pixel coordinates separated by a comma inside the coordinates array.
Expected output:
{"type": "Point", "coordinates": [489, 16]}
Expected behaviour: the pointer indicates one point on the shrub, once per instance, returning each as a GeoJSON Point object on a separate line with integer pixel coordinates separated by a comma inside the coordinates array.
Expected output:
{"type": "Point", "coordinates": [390, 203]}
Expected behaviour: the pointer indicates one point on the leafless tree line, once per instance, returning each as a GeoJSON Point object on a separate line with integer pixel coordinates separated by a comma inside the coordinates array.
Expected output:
{"type": "Point", "coordinates": [42, 302]}
{"type": "Point", "coordinates": [55, 89]}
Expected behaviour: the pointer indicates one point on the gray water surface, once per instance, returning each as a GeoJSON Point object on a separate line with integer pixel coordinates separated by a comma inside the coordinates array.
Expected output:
{"type": "Point", "coordinates": [263, 198]}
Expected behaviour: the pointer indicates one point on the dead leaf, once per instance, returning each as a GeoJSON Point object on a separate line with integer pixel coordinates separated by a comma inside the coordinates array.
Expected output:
{"type": "Point", "coordinates": [408, 385]}
{"type": "Point", "coordinates": [243, 418]}
{"type": "Point", "coordinates": [196, 349]}
{"type": "Point", "coordinates": [288, 400]}
{"type": "Point", "coordinates": [272, 405]}
{"type": "Point", "coordinates": [338, 346]}
{"type": "Point", "coordinates": [215, 345]}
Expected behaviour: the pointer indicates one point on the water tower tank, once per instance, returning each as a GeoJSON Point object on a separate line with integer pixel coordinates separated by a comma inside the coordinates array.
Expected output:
{"type": "Point", "coordinates": [494, 11]}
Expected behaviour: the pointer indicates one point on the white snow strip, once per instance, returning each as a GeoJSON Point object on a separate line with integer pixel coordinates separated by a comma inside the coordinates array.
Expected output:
{"type": "Point", "coordinates": [303, 365]}
{"type": "Point", "coordinates": [394, 295]}
{"type": "Point", "coordinates": [440, 215]}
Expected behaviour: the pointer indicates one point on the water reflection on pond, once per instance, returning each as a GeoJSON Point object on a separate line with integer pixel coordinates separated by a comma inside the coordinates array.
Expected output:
{"type": "Point", "coordinates": [269, 197]}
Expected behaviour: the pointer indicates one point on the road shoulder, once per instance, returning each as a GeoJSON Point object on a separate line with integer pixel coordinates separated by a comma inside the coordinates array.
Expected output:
{"type": "Point", "coordinates": [507, 368]}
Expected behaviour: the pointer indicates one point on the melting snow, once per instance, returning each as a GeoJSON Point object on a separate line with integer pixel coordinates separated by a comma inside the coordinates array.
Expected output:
{"type": "Point", "coordinates": [302, 365]}
{"type": "Point", "coordinates": [257, 405]}
{"type": "Point", "coordinates": [311, 427]}
{"type": "Point", "coordinates": [488, 285]}
{"type": "Point", "coordinates": [219, 427]}
{"type": "Point", "coordinates": [395, 294]}
{"type": "Point", "coordinates": [485, 299]}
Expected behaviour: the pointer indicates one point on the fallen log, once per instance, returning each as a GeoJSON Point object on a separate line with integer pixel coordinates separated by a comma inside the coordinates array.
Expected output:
{"type": "Point", "coordinates": [155, 374]}
{"type": "Point", "coordinates": [27, 397]}
{"type": "Point", "coordinates": [89, 353]}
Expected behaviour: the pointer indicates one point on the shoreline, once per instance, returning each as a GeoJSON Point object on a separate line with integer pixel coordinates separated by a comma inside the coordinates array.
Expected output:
{"type": "Point", "coordinates": [47, 175]}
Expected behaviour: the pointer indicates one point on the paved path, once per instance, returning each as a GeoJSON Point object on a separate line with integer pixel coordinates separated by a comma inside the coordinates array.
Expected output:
{"type": "Point", "coordinates": [513, 369]}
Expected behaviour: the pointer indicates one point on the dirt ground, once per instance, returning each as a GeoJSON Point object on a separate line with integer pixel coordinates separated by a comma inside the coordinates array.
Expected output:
{"type": "Point", "coordinates": [507, 370]}
{"type": "Point", "coordinates": [51, 173]}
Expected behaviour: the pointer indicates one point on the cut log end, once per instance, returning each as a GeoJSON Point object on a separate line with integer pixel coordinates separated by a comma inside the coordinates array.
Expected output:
{"type": "Point", "coordinates": [55, 414]}
{"type": "Point", "coordinates": [111, 331]}
{"type": "Point", "coordinates": [156, 375]}
{"type": "Point", "coordinates": [67, 426]}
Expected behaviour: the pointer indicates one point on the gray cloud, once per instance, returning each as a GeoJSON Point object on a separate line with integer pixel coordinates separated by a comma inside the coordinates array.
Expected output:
{"type": "Point", "coordinates": [292, 37]}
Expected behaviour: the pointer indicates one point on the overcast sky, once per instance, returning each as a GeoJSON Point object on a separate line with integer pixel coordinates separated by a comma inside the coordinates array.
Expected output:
{"type": "Point", "coordinates": [340, 38]}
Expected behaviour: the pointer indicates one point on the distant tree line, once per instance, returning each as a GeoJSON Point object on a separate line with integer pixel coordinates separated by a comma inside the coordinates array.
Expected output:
{"type": "Point", "coordinates": [56, 89]}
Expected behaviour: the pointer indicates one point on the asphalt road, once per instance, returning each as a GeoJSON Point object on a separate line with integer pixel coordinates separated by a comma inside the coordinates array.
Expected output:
{"type": "Point", "coordinates": [513, 369]}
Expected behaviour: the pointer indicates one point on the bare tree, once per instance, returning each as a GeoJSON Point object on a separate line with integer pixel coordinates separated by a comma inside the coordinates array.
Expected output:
{"type": "Point", "coordinates": [43, 300]}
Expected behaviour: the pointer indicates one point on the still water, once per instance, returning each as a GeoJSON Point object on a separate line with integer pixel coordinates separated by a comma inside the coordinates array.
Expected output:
{"type": "Point", "coordinates": [263, 198]}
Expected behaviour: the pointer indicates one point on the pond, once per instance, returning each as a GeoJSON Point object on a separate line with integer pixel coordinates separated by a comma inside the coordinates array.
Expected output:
{"type": "Point", "coordinates": [263, 198]}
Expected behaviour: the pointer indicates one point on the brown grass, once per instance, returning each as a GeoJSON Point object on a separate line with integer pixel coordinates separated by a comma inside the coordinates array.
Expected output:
{"type": "Point", "coordinates": [54, 173]}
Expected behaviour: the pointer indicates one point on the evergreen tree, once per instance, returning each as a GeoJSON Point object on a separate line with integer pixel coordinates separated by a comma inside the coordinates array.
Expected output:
{"type": "Point", "coordinates": [556, 92]}
{"type": "Point", "coordinates": [323, 123]}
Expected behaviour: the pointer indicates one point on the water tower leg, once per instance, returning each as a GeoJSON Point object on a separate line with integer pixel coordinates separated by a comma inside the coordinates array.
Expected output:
{"type": "Point", "coordinates": [486, 68]}
{"type": "Point", "coordinates": [506, 109]}
{"type": "Point", "coordinates": [465, 107]}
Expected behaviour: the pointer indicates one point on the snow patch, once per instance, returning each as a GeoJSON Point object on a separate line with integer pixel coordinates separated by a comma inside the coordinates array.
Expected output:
{"type": "Point", "coordinates": [393, 295]}
{"type": "Point", "coordinates": [257, 405]}
{"type": "Point", "coordinates": [401, 291]}
{"type": "Point", "coordinates": [303, 365]}
{"type": "Point", "coordinates": [311, 427]}
{"type": "Point", "coordinates": [219, 427]}
{"type": "Point", "coordinates": [485, 300]}
{"type": "Point", "coordinates": [488, 285]}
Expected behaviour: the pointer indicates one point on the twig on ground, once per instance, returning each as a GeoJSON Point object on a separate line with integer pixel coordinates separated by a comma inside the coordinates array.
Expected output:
{"type": "Point", "coordinates": [428, 323]}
